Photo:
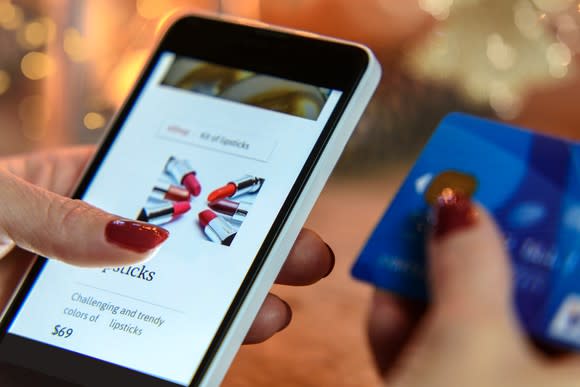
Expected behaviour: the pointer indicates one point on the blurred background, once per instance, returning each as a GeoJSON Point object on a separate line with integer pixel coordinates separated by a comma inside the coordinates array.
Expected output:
{"type": "Point", "coordinates": [67, 65]}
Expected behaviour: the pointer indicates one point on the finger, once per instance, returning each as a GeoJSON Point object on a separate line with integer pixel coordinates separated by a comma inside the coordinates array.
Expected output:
{"type": "Point", "coordinates": [566, 373]}
{"type": "Point", "coordinates": [391, 323]}
{"type": "Point", "coordinates": [469, 267]}
{"type": "Point", "coordinates": [12, 268]}
{"type": "Point", "coordinates": [274, 315]}
{"type": "Point", "coordinates": [309, 261]}
{"type": "Point", "coordinates": [71, 230]}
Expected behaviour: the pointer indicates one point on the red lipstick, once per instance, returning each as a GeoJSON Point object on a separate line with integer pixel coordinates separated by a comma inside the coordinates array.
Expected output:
{"type": "Point", "coordinates": [166, 191]}
{"type": "Point", "coordinates": [164, 213]}
{"type": "Point", "coordinates": [184, 174]}
{"type": "Point", "coordinates": [237, 210]}
{"type": "Point", "coordinates": [216, 229]}
{"type": "Point", "coordinates": [245, 185]}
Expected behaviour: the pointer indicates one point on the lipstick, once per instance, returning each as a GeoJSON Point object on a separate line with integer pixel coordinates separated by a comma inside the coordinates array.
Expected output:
{"type": "Point", "coordinates": [216, 229]}
{"type": "Point", "coordinates": [184, 174]}
{"type": "Point", "coordinates": [164, 213]}
{"type": "Point", "coordinates": [236, 210]}
{"type": "Point", "coordinates": [245, 185]}
{"type": "Point", "coordinates": [174, 193]}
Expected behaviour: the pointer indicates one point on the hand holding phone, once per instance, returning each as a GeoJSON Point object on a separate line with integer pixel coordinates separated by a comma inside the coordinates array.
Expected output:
{"type": "Point", "coordinates": [225, 143]}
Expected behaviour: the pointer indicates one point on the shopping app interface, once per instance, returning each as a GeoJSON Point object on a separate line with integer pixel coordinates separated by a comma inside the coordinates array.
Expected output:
{"type": "Point", "coordinates": [210, 153]}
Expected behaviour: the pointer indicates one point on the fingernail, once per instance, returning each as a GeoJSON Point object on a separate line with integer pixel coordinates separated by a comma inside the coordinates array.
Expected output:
{"type": "Point", "coordinates": [332, 260]}
{"type": "Point", "coordinates": [135, 236]}
{"type": "Point", "coordinates": [289, 314]}
{"type": "Point", "coordinates": [452, 212]}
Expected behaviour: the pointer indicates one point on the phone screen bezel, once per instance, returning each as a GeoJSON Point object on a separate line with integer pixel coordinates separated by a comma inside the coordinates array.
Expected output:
{"type": "Point", "coordinates": [297, 57]}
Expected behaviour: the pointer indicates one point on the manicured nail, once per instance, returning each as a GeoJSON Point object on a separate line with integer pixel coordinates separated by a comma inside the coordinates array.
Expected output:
{"type": "Point", "coordinates": [135, 236]}
{"type": "Point", "coordinates": [453, 212]}
{"type": "Point", "coordinates": [289, 314]}
{"type": "Point", "coordinates": [332, 260]}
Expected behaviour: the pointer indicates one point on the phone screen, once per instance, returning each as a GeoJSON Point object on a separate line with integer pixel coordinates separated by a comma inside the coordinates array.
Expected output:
{"type": "Point", "coordinates": [211, 153]}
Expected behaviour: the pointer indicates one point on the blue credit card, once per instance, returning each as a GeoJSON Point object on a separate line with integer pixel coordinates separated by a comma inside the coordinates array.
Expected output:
{"type": "Point", "coordinates": [529, 182]}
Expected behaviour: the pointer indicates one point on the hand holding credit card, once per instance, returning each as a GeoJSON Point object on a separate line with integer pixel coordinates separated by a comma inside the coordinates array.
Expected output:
{"type": "Point", "coordinates": [531, 185]}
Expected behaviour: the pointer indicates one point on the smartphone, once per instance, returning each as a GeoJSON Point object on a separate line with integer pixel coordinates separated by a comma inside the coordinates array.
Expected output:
{"type": "Point", "coordinates": [226, 140]}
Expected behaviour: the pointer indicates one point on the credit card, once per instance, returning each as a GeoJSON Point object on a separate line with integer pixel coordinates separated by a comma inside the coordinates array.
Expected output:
{"type": "Point", "coordinates": [529, 182]}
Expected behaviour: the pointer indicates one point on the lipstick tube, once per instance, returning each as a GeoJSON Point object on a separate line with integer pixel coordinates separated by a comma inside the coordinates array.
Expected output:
{"type": "Point", "coordinates": [174, 193]}
{"type": "Point", "coordinates": [183, 173]}
{"type": "Point", "coordinates": [164, 213]}
{"type": "Point", "coordinates": [237, 211]}
{"type": "Point", "coordinates": [245, 185]}
{"type": "Point", "coordinates": [216, 229]}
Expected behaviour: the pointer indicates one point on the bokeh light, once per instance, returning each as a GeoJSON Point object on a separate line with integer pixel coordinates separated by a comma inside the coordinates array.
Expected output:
{"type": "Point", "coordinates": [11, 16]}
{"type": "Point", "coordinates": [94, 120]}
{"type": "Point", "coordinates": [527, 20]}
{"type": "Point", "coordinates": [37, 65]}
{"type": "Point", "coordinates": [35, 34]}
{"type": "Point", "coordinates": [559, 57]}
{"type": "Point", "coordinates": [501, 55]}
{"type": "Point", "coordinates": [4, 81]}
{"type": "Point", "coordinates": [439, 9]}
{"type": "Point", "coordinates": [74, 45]}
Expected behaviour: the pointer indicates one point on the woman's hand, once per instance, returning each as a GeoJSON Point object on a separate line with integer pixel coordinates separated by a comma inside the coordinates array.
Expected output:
{"type": "Point", "coordinates": [35, 217]}
{"type": "Point", "coordinates": [469, 335]}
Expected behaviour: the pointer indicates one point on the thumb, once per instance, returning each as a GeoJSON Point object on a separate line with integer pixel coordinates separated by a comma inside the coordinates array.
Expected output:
{"type": "Point", "coordinates": [469, 267]}
{"type": "Point", "coordinates": [71, 230]}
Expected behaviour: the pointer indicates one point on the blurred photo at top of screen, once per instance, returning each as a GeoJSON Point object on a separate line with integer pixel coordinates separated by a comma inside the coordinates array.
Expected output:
{"type": "Point", "coordinates": [263, 91]}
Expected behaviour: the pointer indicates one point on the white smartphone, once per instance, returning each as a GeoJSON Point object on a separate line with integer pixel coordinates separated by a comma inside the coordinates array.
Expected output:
{"type": "Point", "coordinates": [226, 140]}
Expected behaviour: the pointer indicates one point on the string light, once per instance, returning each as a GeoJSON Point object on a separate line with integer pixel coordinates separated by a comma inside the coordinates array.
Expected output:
{"type": "Point", "coordinates": [4, 81]}
{"type": "Point", "coordinates": [37, 65]}
{"type": "Point", "coordinates": [94, 121]}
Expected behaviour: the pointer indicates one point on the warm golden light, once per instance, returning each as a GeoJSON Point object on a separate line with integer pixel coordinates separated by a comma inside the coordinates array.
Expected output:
{"type": "Point", "coordinates": [501, 55]}
{"type": "Point", "coordinates": [245, 9]}
{"type": "Point", "coordinates": [125, 74]}
{"type": "Point", "coordinates": [37, 65]}
{"type": "Point", "coordinates": [35, 34]}
{"type": "Point", "coordinates": [75, 45]}
{"type": "Point", "coordinates": [553, 5]}
{"type": "Point", "coordinates": [32, 114]}
{"type": "Point", "coordinates": [559, 57]}
{"type": "Point", "coordinates": [439, 9]}
{"type": "Point", "coordinates": [447, 194]}
{"type": "Point", "coordinates": [504, 101]}
{"type": "Point", "coordinates": [94, 120]}
{"type": "Point", "coordinates": [11, 16]}
{"type": "Point", "coordinates": [7, 12]}
{"type": "Point", "coordinates": [151, 9]}
{"type": "Point", "coordinates": [4, 81]}
{"type": "Point", "coordinates": [527, 21]}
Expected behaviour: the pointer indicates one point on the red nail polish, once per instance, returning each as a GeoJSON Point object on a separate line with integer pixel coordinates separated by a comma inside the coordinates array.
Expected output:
{"type": "Point", "coordinates": [452, 212]}
{"type": "Point", "coordinates": [332, 259]}
{"type": "Point", "coordinates": [135, 236]}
